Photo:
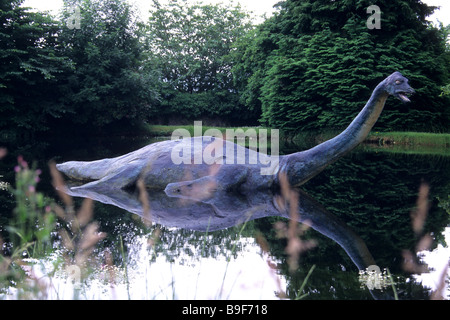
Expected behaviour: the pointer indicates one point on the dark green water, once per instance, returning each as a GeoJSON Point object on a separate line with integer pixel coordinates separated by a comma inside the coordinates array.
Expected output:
{"type": "Point", "coordinates": [372, 191]}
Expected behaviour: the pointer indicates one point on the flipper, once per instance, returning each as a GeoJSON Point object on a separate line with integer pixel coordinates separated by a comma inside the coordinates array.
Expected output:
{"type": "Point", "coordinates": [228, 179]}
{"type": "Point", "coordinates": [220, 190]}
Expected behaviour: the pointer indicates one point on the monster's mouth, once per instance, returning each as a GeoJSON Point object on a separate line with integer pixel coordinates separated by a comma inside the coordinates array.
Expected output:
{"type": "Point", "coordinates": [403, 96]}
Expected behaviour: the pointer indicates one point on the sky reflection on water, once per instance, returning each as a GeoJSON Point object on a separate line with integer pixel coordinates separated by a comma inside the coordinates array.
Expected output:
{"type": "Point", "coordinates": [366, 186]}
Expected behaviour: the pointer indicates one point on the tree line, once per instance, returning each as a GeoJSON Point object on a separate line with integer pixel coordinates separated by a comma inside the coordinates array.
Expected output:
{"type": "Point", "coordinates": [98, 67]}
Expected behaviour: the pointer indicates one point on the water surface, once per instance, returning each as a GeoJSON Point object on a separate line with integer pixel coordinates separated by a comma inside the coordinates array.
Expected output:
{"type": "Point", "coordinates": [372, 191]}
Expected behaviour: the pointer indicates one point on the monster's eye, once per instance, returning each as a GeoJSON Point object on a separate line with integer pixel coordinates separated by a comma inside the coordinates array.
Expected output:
{"type": "Point", "coordinates": [398, 81]}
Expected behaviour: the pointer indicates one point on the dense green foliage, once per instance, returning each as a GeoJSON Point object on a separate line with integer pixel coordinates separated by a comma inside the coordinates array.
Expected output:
{"type": "Point", "coordinates": [314, 64]}
{"type": "Point", "coordinates": [29, 69]}
{"type": "Point", "coordinates": [311, 66]}
{"type": "Point", "coordinates": [59, 76]}
{"type": "Point", "coordinates": [191, 46]}
{"type": "Point", "coordinates": [107, 83]}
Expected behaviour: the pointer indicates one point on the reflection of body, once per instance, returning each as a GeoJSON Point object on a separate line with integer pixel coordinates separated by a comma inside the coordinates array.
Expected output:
{"type": "Point", "coordinates": [227, 209]}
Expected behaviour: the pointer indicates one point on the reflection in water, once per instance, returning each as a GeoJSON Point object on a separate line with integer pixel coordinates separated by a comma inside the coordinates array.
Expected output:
{"type": "Point", "coordinates": [438, 262]}
{"type": "Point", "coordinates": [150, 277]}
{"type": "Point", "coordinates": [248, 276]}
{"type": "Point", "coordinates": [226, 209]}
{"type": "Point", "coordinates": [371, 192]}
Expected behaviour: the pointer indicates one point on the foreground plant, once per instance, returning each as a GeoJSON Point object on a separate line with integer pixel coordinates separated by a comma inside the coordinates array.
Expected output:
{"type": "Point", "coordinates": [34, 233]}
{"type": "Point", "coordinates": [30, 231]}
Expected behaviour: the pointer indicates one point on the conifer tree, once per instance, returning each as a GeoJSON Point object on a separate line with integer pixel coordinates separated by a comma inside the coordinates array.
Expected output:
{"type": "Point", "coordinates": [321, 62]}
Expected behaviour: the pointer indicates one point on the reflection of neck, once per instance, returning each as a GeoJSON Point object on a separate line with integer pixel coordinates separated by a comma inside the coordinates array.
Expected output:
{"type": "Point", "coordinates": [315, 215]}
{"type": "Point", "coordinates": [302, 166]}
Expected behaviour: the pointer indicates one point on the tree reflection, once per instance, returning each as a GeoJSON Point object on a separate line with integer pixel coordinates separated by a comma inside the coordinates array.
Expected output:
{"type": "Point", "coordinates": [383, 222]}
{"type": "Point", "coordinates": [182, 213]}
{"type": "Point", "coordinates": [371, 192]}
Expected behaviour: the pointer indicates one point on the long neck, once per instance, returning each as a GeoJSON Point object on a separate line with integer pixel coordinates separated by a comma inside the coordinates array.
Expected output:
{"type": "Point", "coordinates": [302, 166]}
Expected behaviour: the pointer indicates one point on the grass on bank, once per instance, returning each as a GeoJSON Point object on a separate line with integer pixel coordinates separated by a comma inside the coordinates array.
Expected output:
{"type": "Point", "coordinates": [422, 142]}
{"type": "Point", "coordinates": [399, 138]}
{"type": "Point", "coordinates": [395, 137]}
{"type": "Point", "coordinates": [411, 138]}
{"type": "Point", "coordinates": [167, 130]}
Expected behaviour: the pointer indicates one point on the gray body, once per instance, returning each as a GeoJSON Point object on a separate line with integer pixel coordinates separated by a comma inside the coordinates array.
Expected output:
{"type": "Point", "coordinates": [154, 164]}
